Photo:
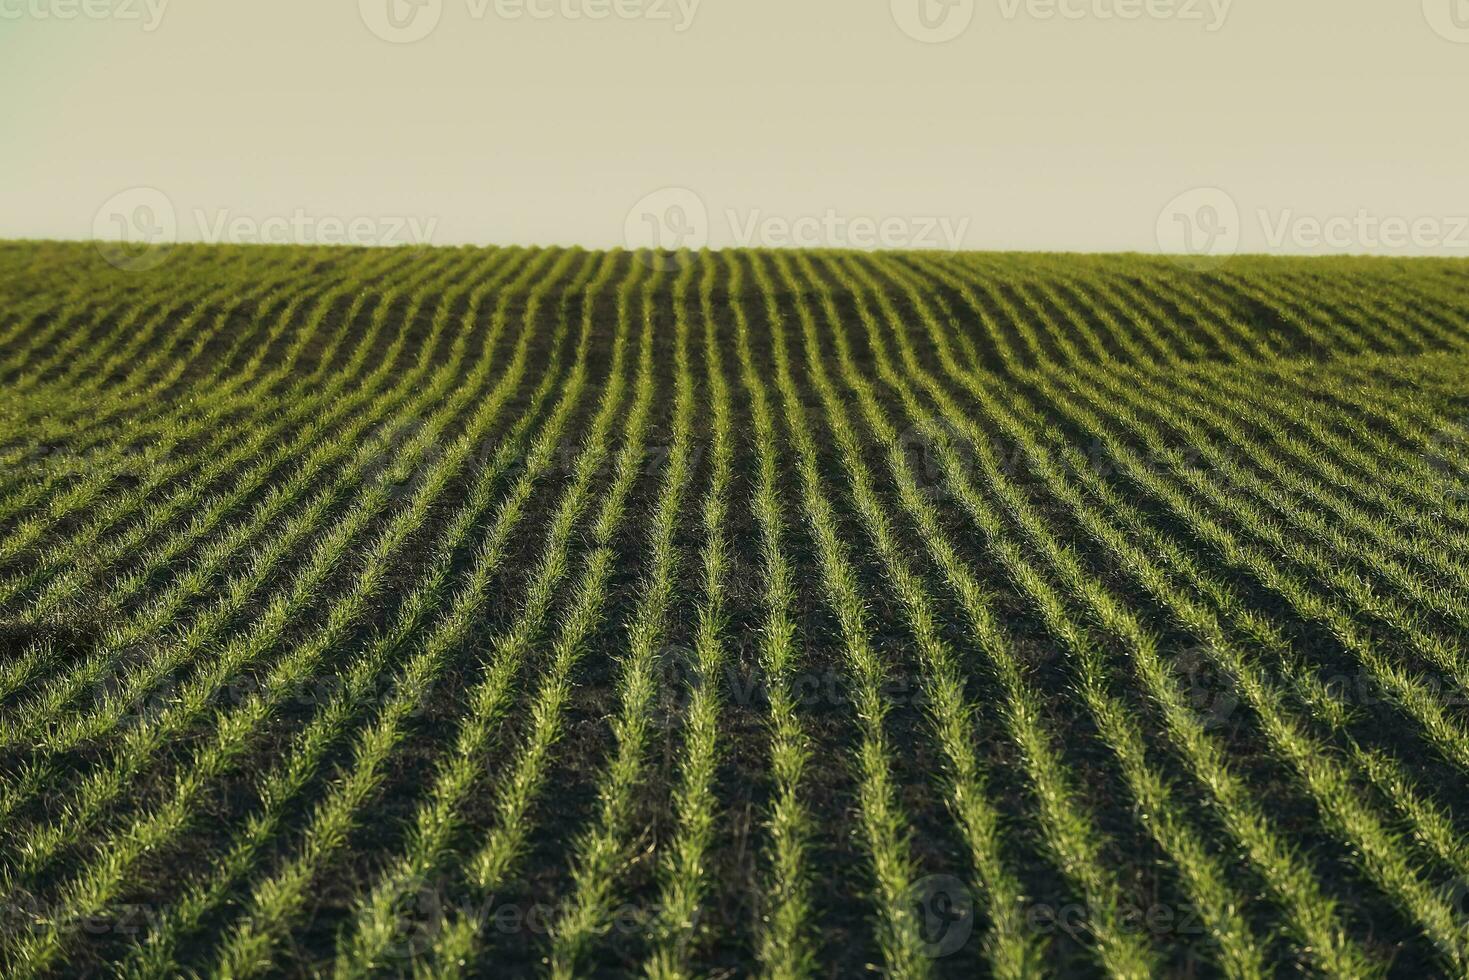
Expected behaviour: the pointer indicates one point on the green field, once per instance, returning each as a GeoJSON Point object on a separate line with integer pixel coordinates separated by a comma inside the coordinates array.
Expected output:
{"type": "Point", "coordinates": [493, 612]}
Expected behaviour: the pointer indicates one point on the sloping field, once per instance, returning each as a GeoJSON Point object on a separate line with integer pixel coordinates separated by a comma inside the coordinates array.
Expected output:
{"type": "Point", "coordinates": [492, 612]}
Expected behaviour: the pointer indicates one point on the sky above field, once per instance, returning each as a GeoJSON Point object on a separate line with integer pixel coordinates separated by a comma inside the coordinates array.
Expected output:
{"type": "Point", "coordinates": [1303, 127]}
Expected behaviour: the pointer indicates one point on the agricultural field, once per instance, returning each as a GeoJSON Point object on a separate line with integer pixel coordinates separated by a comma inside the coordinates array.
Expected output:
{"type": "Point", "coordinates": [499, 612]}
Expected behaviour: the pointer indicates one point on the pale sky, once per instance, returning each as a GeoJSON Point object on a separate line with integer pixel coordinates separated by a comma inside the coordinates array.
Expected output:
{"type": "Point", "coordinates": [1300, 126]}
